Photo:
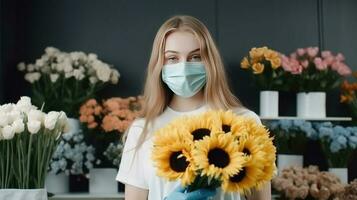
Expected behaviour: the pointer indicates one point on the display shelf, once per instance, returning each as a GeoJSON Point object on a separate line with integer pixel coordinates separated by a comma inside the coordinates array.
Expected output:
{"type": "Point", "coordinates": [85, 196]}
{"type": "Point", "coordinates": [307, 119]}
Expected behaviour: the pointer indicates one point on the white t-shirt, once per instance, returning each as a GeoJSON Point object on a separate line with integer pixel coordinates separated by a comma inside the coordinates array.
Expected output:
{"type": "Point", "coordinates": [139, 170]}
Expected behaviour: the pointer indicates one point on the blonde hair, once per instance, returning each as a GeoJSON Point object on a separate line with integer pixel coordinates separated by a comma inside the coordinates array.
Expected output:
{"type": "Point", "coordinates": [157, 95]}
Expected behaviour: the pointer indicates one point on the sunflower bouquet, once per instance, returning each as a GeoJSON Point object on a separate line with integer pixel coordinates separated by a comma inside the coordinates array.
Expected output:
{"type": "Point", "coordinates": [215, 149]}
{"type": "Point", "coordinates": [265, 65]}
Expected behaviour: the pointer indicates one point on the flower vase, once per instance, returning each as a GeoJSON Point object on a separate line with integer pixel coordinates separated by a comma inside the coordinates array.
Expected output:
{"type": "Point", "coordinates": [285, 161]}
{"type": "Point", "coordinates": [341, 173]}
{"type": "Point", "coordinates": [102, 181]}
{"type": "Point", "coordinates": [23, 194]}
{"type": "Point", "coordinates": [57, 183]}
{"type": "Point", "coordinates": [311, 105]}
{"type": "Point", "coordinates": [269, 103]}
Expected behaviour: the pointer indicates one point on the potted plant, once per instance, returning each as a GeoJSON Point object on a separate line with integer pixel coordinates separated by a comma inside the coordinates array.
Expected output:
{"type": "Point", "coordinates": [290, 137]}
{"type": "Point", "coordinates": [28, 138]}
{"type": "Point", "coordinates": [105, 123]}
{"type": "Point", "coordinates": [338, 144]}
{"type": "Point", "coordinates": [265, 66]}
{"type": "Point", "coordinates": [313, 73]}
{"type": "Point", "coordinates": [72, 157]}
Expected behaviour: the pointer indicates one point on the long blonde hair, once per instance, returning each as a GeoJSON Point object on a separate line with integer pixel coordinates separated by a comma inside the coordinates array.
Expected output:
{"type": "Point", "coordinates": [157, 95]}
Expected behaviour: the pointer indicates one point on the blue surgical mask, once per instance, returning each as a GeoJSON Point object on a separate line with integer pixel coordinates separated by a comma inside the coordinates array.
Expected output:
{"type": "Point", "coordinates": [185, 79]}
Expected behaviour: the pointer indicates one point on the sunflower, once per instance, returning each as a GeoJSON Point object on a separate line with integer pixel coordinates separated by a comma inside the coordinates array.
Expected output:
{"type": "Point", "coordinates": [228, 121]}
{"type": "Point", "coordinates": [244, 180]}
{"type": "Point", "coordinates": [217, 156]}
{"type": "Point", "coordinates": [199, 126]}
{"type": "Point", "coordinates": [172, 155]}
{"type": "Point", "coordinates": [269, 168]}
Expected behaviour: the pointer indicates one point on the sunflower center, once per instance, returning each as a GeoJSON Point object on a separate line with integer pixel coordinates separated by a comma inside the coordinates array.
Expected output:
{"type": "Point", "coordinates": [246, 151]}
{"type": "Point", "coordinates": [178, 164]}
{"type": "Point", "coordinates": [200, 133]}
{"type": "Point", "coordinates": [218, 157]}
{"type": "Point", "coordinates": [238, 177]}
{"type": "Point", "coordinates": [226, 128]}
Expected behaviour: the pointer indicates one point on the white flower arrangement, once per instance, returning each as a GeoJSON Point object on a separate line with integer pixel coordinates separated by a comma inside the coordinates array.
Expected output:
{"type": "Point", "coordinates": [71, 77]}
{"type": "Point", "coordinates": [28, 138]}
{"type": "Point", "coordinates": [73, 155]}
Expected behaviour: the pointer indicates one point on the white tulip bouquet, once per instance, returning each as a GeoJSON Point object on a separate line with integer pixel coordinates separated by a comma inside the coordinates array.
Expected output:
{"type": "Point", "coordinates": [28, 138]}
{"type": "Point", "coordinates": [72, 78]}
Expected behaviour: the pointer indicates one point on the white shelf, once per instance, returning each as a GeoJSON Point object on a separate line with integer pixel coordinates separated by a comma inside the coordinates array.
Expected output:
{"type": "Point", "coordinates": [308, 119]}
{"type": "Point", "coordinates": [84, 196]}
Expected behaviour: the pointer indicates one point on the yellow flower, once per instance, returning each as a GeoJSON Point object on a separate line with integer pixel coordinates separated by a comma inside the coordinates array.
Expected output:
{"type": "Point", "coordinates": [275, 63]}
{"type": "Point", "coordinates": [228, 121]}
{"type": "Point", "coordinates": [217, 156]}
{"type": "Point", "coordinates": [244, 180]}
{"type": "Point", "coordinates": [258, 68]}
{"type": "Point", "coordinates": [199, 126]}
{"type": "Point", "coordinates": [245, 63]}
{"type": "Point", "coordinates": [172, 155]}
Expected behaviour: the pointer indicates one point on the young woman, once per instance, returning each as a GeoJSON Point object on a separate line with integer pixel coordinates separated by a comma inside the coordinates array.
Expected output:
{"type": "Point", "coordinates": [185, 76]}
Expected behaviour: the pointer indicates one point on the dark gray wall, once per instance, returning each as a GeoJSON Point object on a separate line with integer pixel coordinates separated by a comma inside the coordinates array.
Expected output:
{"type": "Point", "coordinates": [121, 32]}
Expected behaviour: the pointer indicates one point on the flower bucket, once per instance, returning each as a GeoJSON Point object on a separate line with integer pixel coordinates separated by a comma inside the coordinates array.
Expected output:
{"type": "Point", "coordinates": [23, 194]}
{"type": "Point", "coordinates": [311, 104]}
{"type": "Point", "coordinates": [269, 103]}
{"type": "Point", "coordinates": [102, 181]}
{"type": "Point", "coordinates": [285, 161]}
{"type": "Point", "coordinates": [341, 173]}
{"type": "Point", "coordinates": [57, 184]}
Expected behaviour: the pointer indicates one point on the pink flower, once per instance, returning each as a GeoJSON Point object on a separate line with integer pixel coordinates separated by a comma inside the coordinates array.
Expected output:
{"type": "Point", "coordinates": [340, 57]}
{"type": "Point", "coordinates": [300, 51]}
{"type": "Point", "coordinates": [326, 54]}
{"type": "Point", "coordinates": [329, 60]}
{"type": "Point", "coordinates": [293, 55]}
{"type": "Point", "coordinates": [305, 63]}
{"type": "Point", "coordinates": [336, 65]}
{"type": "Point", "coordinates": [312, 51]}
{"type": "Point", "coordinates": [344, 70]}
{"type": "Point", "coordinates": [320, 65]}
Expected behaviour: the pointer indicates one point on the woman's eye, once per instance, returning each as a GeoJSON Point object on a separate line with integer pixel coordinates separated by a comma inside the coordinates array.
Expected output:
{"type": "Point", "coordinates": [195, 58]}
{"type": "Point", "coordinates": [171, 59]}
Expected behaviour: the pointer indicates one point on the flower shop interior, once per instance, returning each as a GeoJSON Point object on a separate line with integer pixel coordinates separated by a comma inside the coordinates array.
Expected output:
{"type": "Point", "coordinates": [72, 75]}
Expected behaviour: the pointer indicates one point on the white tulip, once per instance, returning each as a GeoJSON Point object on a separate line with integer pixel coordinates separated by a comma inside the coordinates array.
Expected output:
{"type": "Point", "coordinates": [4, 119]}
{"type": "Point", "coordinates": [24, 104]}
{"type": "Point", "coordinates": [32, 77]}
{"type": "Point", "coordinates": [68, 68]}
{"type": "Point", "coordinates": [33, 126]}
{"type": "Point", "coordinates": [51, 120]}
{"type": "Point", "coordinates": [35, 115]}
{"type": "Point", "coordinates": [78, 74]}
{"type": "Point", "coordinates": [30, 67]}
{"type": "Point", "coordinates": [14, 115]}
{"type": "Point", "coordinates": [7, 107]}
{"type": "Point", "coordinates": [21, 66]}
{"type": "Point", "coordinates": [93, 80]}
{"type": "Point", "coordinates": [18, 126]}
{"type": "Point", "coordinates": [92, 56]}
{"type": "Point", "coordinates": [54, 77]}
{"type": "Point", "coordinates": [8, 132]}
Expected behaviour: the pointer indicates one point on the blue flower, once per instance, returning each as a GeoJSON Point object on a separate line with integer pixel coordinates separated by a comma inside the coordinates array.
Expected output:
{"type": "Point", "coordinates": [335, 147]}
{"type": "Point", "coordinates": [353, 130]}
{"type": "Point", "coordinates": [342, 141]}
{"type": "Point", "coordinates": [325, 132]}
{"type": "Point", "coordinates": [318, 125]}
{"type": "Point", "coordinates": [353, 142]}
{"type": "Point", "coordinates": [273, 125]}
{"type": "Point", "coordinates": [339, 130]}
{"type": "Point", "coordinates": [285, 124]}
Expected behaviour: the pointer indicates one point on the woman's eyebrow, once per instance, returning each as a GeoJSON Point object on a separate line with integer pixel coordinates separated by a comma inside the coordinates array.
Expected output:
{"type": "Point", "coordinates": [172, 51]}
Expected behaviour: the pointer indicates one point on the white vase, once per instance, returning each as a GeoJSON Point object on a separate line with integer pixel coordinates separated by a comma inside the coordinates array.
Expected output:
{"type": "Point", "coordinates": [269, 103]}
{"type": "Point", "coordinates": [57, 184]}
{"type": "Point", "coordinates": [341, 173]}
{"type": "Point", "coordinates": [311, 105]}
{"type": "Point", "coordinates": [285, 161]}
{"type": "Point", "coordinates": [23, 194]}
{"type": "Point", "coordinates": [102, 181]}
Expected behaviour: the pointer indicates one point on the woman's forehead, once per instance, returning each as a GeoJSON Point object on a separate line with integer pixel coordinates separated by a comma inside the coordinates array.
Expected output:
{"type": "Point", "coordinates": [182, 42]}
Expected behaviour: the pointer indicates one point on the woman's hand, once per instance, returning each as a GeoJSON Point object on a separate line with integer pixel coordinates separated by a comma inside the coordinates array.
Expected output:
{"type": "Point", "coordinates": [200, 194]}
